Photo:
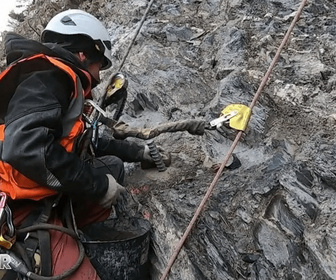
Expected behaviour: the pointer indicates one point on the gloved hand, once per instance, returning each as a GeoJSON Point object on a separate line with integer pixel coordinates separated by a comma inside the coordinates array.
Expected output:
{"type": "Point", "coordinates": [113, 192]}
{"type": "Point", "coordinates": [196, 127]}
{"type": "Point", "coordinates": [146, 154]}
{"type": "Point", "coordinates": [148, 161]}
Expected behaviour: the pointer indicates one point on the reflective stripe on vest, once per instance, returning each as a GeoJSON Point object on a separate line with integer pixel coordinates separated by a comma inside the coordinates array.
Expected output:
{"type": "Point", "coordinates": [15, 184]}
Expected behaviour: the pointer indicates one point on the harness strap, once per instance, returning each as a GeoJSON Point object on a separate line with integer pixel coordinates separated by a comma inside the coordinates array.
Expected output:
{"type": "Point", "coordinates": [44, 242]}
{"type": "Point", "coordinates": [33, 236]}
{"type": "Point", "coordinates": [39, 240]}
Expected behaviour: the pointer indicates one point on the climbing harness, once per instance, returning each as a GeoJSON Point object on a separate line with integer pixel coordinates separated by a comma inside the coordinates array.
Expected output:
{"type": "Point", "coordinates": [30, 253]}
{"type": "Point", "coordinates": [233, 146]}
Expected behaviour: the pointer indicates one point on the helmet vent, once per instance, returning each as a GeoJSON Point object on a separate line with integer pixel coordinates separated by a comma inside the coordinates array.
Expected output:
{"type": "Point", "coordinates": [108, 44]}
{"type": "Point", "coordinates": [68, 21]}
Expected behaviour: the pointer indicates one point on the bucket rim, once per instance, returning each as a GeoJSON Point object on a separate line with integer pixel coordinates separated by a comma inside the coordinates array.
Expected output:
{"type": "Point", "coordinates": [146, 226]}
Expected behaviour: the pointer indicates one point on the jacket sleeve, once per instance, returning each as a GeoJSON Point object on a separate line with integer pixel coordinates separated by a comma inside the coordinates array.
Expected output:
{"type": "Point", "coordinates": [125, 150]}
{"type": "Point", "coordinates": [33, 131]}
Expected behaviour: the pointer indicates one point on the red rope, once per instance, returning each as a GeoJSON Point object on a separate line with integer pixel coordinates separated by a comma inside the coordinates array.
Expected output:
{"type": "Point", "coordinates": [233, 146]}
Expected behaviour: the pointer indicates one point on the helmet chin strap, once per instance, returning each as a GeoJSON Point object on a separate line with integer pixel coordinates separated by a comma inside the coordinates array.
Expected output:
{"type": "Point", "coordinates": [86, 62]}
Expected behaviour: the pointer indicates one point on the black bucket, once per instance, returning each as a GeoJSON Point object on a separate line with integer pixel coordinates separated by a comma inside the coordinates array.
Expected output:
{"type": "Point", "coordinates": [118, 249]}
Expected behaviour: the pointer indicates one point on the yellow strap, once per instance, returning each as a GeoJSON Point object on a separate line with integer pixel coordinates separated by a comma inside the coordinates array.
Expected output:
{"type": "Point", "coordinates": [242, 118]}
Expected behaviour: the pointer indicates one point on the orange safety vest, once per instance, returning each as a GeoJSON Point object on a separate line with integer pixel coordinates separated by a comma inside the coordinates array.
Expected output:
{"type": "Point", "coordinates": [15, 184]}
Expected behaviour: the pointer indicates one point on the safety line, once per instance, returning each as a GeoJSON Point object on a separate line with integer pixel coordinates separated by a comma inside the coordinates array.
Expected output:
{"type": "Point", "coordinates": [128, 50]}
{"type": "Point", "coordinates": [136, 34]}
{"type": "Point", "coordinates": [233, 146]}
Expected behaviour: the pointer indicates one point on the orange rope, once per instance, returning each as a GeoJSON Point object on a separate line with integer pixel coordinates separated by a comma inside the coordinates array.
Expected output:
{"type": "Point", "coordinates": [233, 146]}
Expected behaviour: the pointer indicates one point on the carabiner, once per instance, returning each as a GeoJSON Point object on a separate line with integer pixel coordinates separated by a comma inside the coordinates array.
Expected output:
{"type": "Point", "coordinates": [10, 224]}
{"type": "Point", "coordinates": [3, 201]}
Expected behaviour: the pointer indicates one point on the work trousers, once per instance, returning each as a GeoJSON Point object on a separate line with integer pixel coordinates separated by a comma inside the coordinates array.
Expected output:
{"type": "Point", "coordinates": [64, 249]}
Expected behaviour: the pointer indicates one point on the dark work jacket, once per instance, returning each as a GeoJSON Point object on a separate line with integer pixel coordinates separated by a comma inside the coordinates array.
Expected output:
{"type": "Point", "coordinates": [37, 97]}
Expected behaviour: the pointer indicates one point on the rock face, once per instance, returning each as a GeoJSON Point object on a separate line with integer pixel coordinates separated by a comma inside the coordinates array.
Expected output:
{"type": "Point", "coordinates": [272, 218]}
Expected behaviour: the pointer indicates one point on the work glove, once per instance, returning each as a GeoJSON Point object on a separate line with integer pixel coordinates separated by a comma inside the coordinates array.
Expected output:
{"type": "Point", "coordinates": [196, 127]}
{"type": "Point", "coordinates": [114, 191]}
{"type": "Point", "coordinates": [148, 161]}
{"type": "Point", "coordinates": [146, 154]}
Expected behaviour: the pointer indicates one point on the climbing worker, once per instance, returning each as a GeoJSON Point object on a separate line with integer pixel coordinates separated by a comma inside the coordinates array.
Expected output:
{"type": "Point", "coordinates": [44, 179]}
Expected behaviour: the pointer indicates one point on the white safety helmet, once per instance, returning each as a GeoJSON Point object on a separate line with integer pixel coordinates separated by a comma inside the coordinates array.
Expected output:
{"type": "Point", "coordinates": [78, 22]}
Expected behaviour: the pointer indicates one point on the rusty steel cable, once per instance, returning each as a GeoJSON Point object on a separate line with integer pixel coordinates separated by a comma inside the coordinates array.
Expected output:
{"type": "Point", "coordinates": [233, 146]}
